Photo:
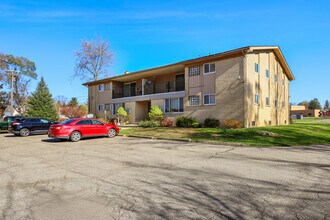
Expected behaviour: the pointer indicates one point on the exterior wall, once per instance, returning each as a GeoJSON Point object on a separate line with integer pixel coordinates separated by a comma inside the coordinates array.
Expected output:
{"type": "Point", "coordinates": [260, 114]}
{"type": "Point", "coordinates": [306, 112]}
{"type": "Point", "coordinates": [96, 98]}
{"type": "Point", "coordinates": [227, 85]}
{"type": "Point", "coordinates": [130, 108]}
{"type": "Point", "coordinates": [298, 107]}
{"type": "Point", "coordinates": [141, 111]}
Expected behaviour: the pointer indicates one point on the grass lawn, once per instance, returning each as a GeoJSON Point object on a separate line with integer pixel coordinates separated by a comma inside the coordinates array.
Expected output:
{"type": "Point", "coordinates": [290, 135]}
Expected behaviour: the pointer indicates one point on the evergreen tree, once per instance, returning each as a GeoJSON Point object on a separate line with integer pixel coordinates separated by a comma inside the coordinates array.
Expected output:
{"type": "Point", "coordinates": [326, 105]}
{"type": "Point", "coordinates": [41, 103]}
{"type": "Point", "coordinates": [73, 102]}
{"type": "Point", "coordinates": [314, 104]}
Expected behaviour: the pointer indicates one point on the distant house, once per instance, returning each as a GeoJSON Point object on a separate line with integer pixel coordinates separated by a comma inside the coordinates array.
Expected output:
{"type": "Point", "coordinates": [303, 110]}
{"type": "Point", "coordinates": [249, 84]}
{"type": "Point", "coordinates": [7, 112]}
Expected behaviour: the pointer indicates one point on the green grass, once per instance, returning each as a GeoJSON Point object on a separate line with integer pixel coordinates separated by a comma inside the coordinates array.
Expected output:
{"type": "Point", "coordinates": [289, 135]}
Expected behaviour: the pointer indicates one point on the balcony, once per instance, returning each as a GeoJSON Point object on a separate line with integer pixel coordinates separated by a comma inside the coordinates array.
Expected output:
{"type": "Point", "coordinates": [142, 87]}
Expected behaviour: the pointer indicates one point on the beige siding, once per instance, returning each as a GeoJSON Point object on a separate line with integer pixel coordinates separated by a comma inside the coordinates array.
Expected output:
{"type": "Point", "coordinates": [227, 84]}
{"type": "Point", "coordinates": [260, 113]}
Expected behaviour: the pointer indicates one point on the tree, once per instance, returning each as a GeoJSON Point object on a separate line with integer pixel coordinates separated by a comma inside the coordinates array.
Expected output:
{"type": "Point", "coordinates": [122, 114]}
{"type": "Point", "coordinates": [314, 104]}
{"type": "Point", "coordinates": [74, 111]}
{"type": "Point", "coordinates": [326, 105]}
{"type": "Point", "coordinates": [156, 113]}
{"type": "Point", "coordinates": [304, 103]}
{"type": "Point", "coordinates": [73, 102]}
{"type": "Point", "coordinates": [4, 101]}
{"type": "Point", "coordinates": [25, 70]}
{"type": "Point", "coordinates": [92, 60]}
{"type": "Point", "coordinates": [41, 103]}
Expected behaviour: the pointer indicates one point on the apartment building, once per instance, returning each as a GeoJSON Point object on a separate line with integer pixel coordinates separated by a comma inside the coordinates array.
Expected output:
{"type": "Point", "coordinates": [250, 84]}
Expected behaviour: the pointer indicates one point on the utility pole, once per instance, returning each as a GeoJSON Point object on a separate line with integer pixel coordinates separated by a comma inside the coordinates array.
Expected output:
{"type": "Point", "coordinates": [12, 79]}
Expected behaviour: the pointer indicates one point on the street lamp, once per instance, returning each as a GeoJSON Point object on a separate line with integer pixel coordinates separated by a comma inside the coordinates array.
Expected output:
{"type": "Point", "coordinates": [13, 76]}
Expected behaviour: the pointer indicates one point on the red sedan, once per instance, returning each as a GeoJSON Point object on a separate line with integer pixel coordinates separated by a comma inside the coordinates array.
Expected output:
{"type": "Point", "coordinates": [75, 129]}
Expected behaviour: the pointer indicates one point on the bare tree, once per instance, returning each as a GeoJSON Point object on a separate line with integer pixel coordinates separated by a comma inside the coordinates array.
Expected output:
{"type": "Point", "coordinates": [21, 94]}
{"type": "Point", "coordinates": [92, 60]}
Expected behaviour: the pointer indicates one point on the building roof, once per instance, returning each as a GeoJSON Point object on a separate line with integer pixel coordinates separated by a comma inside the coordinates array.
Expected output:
{"type": "Point", "coordinates": [179, 66]}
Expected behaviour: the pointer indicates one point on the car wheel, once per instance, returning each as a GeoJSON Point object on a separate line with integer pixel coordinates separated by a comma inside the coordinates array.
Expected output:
{"type": "Point", "coordinates": [112, 133]}
{"type": "Point", "coordinates": [24, 132]}
{"type": "Point", "coordinates": [75, 136]}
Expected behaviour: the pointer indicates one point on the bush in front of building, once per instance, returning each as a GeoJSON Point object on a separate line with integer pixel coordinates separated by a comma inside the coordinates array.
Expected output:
{"type": "Point", "coordinates": [122, 114]}
{"type": "Point", "coordinates": [231, 124]}
{"type": "Point", "coordinates": [149, 124]}
{"type": "Point", "coordinates": [196, 125]}
{"type": "Point", "coordinates": [167, 122]}
{"type": "Point", "coordinates": [211, 122]}
{"type": "Point", "coordinates": [156, 113]}
{"type": "Point", "coordinates": [184, 121]}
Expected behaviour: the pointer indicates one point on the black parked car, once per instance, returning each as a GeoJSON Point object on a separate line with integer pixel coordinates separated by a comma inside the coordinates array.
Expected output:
{"type": "Point", "coordinates": [26, 126]}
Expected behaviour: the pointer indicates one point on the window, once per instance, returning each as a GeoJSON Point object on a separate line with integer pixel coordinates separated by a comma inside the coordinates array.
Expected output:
{"type": "Point", "coordinates": [276, 103]}
{"type": "Point", "coordinates": [84, 122]}
{"type": "Point", "coordinates": [100, 108]}
{"type": "Point", "coordinates": [173, 105]}
{"type": "Point", "coordinates": [256, 67]}
{"type": "Point", "coordinates": [44, 121]}
{"type": "Point", "coordinates": [179, 82]}
{"type": "Point", "coordinates": [269, 122]}
{"type": "Point", "coordinates": [283, 104]}
{"type": "Point", "coordinates": [283, 81]}
{"type": "Point", "coordinates": [209, 68]}
{"type": "Point", "coordinates": [96, 122]}
{"type": "Point", "coordinates": [256, 98]}
{"type": "Point", "coordinates": [194, 100]}
{"type": "Point", "coordinates": [101, 87]}
{"type": "Point", "coordinates": [107, 86]}
{"type": "Point", "coordinates": [194, 71]}
{"type": "Point", "coordinates": [276, 78]}
{"type": "Point", "coordinates": [253, 123]}
{"type": "Point", "coordinates": [115, 107]}
{"type": "Point", "coordinates": [267, 73]}
{"type": "Point", "coordinates": [130, 89]}
{"type": "Point", "coordinates": [209, 99]}
{"type": "Point", "coordinates": [107, 107]}
{"type": "Point", "coordinates": [267, 101]}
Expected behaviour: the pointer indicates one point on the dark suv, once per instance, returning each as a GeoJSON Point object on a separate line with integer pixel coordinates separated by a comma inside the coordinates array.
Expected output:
{"type": "Point", "coordinates": [25, 127]}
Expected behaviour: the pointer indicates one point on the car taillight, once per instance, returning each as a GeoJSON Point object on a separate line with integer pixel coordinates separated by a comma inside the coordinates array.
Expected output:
{"type": "Point", "coordinates": [15, 123]}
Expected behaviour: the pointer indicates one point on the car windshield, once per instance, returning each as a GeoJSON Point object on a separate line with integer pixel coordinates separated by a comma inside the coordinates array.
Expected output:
{"type": "Point", "coordinates": [66, 122]}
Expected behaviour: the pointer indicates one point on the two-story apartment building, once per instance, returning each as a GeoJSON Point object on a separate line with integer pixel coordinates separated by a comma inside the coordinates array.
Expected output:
{"type": "Point", "coordinates": [250, 84]}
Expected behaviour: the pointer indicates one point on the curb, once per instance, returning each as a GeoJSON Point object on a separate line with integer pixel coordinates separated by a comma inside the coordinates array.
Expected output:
{"type": "Point", "coordinates": [185, 140]}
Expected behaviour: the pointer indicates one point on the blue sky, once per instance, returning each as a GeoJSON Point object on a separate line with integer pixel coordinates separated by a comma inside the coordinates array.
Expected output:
{"type": "Point", "coordinates": [146, 33]}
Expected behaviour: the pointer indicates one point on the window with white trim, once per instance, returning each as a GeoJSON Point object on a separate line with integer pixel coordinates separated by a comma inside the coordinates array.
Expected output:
{"type": "Point", "coordinates": [100, 108]}
{"type": "Point", "coordinates": [193, 100]}
{"type": "Point", "coordinates": [276, 103]}
{"type": "Point", "coordinates": [107, 86]}
{"type": "Point", "coordinates": [283, 81]}
{"type": "Point", "coordinates": [194, 71]}
{"type": "Point", "coordinates": [276, 78]}
{"type": "Point", "coordinates": [101, 87]}
{"type": "Point", "coordinates": [209, 68]}
{"type": "Point", "coordinates": [209, 99]}
{"type": "Point", "coordinates": [283, 104]}
{"type": "Point", "coordinates": [107, 107]}
{"type": "Point", "coordinates": [256, 67]}
{"type": "Point", "coordinates": [256, 98]}
{"type": "Point", "coordinates": [267, 73]}
{"type": "Point", "coordinates": [267, 101]}
{"type": "Point", "coordinates": [173, 105]}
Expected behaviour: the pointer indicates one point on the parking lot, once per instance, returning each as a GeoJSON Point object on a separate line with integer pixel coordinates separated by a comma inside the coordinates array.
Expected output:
{"type": "Point", "coordinates": [129, 178]}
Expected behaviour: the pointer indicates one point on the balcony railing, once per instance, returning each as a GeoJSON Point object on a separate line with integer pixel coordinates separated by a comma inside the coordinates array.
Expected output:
{"type": "Point", "coordinates": [150, 88]}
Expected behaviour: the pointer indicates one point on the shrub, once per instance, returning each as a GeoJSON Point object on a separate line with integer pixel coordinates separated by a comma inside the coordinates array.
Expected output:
{"type": "Point", "coordinates": [122, 114]}
{"type": "Point", "coordinates": [166, 122]}
{"type": "Point", "coordinates": [196, 125]}
{"type": "Point", "coordinates": [156, 113]}
{"type": "Point", "coordinates": [184, 121]}
{"type": "Point", "coordinates": [211, 122]}
{"type": "Point", "coordinates": [231, 124]}
{"type": "Point", "coordinates": [149, 123]}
